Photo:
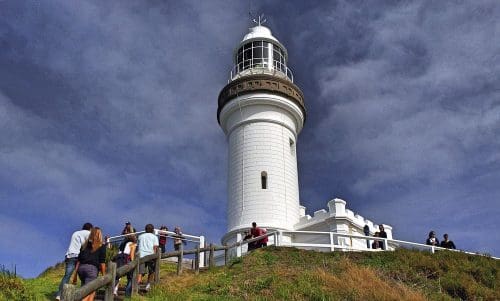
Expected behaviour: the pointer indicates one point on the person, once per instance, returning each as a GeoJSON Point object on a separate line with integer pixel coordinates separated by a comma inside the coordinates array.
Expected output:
{"type": "Point", "coordinates": [91, 260]}
{"type": "Point", "coordinates": [126, 255]}
{"type": "Point", "coordinates": [130, 249]}
{"type": "Point", "coordinates": [432, 240]}
{"type": "Point", "coordinates": [382, 234]}
{"type": "Point", "coordinates": [448, 244]}
{"type": "Point", "coordinates": [77, 239]}
{"type": "Point", "coordinates": [148, 244]}
{"type": "Point", "coordinates": [376, 242]}
{"type": "Point", "coordinates": [179, 239]}
{"type": "Point", "coordinates": [366, 230]}
{"type": "Point", "coordinates": [256, 232]}
{"type": "Point", "coordinates": [263, 242]}
{"type": "Point", "coordinates": [163, 238]}
{"type": "Point", "coordinates": [108, 243]}
{"type": "Point", "coordinates": [248, 236]}
{"type": "Point", "coordinates": [128, 229]}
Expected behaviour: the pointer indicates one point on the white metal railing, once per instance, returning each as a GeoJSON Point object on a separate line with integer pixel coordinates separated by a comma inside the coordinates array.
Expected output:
{"type": "Point", "coordinates": [333, 241]}
{"type": "Point", "coordinates": [197, 240]}
{"type": "Point", "coordinates": [348, 242]}
{"type": "Point", "coordinates": [250, 67]}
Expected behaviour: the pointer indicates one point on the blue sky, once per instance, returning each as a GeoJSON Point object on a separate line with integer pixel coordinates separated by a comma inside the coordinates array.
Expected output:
{"type": "Point", "coordinates": [108, 113]}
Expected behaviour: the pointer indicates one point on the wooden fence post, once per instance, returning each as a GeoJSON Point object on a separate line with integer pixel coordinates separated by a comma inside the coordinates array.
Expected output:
{"type": "Point", "coordinates": [180, 258]}
{"type": "Point", "coordinates": [211, 262]}
{"type": "Point", "coordinates": [157, 266]}
{"type": "Point", "coordinates": [135, 285]}
{"type": "Point", "coordinates": [111, 269]}
{"type": "Point", "coordinates": [205, 263]}
{"type": "Point", "coordinates": [226, 255]}
{"type": "Point", "coordinates": [197, 261]}
{"type": "Point", "coordinates": [68, 293]}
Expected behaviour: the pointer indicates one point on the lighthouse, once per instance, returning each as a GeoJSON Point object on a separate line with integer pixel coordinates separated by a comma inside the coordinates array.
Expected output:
{"type": "Point", "coordinates": [261, 112]}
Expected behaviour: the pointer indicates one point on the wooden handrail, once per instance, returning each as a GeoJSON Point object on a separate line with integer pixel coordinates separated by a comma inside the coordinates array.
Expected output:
{"type": "Point", "coordinates": [71, 293]}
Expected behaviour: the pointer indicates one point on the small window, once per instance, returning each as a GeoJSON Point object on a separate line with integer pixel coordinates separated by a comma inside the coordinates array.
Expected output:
{"type": "Point", "coordinates": [292, 147]}
{"type": "Point", "coordinates": [263, 179]}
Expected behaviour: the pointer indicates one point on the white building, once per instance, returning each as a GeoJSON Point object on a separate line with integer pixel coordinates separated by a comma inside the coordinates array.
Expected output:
{"type": "Point", "coordinates": [262, 112]}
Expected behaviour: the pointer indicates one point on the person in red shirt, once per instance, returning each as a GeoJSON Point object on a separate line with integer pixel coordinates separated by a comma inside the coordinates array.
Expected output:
{"type": "Point", "coordinates": [256, 232]}
{"type": "Point", "coordinates": [263, 242]}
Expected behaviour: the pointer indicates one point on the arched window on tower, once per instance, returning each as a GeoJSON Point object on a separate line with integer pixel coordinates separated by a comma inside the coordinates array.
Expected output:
{"type": "Point", "coordinates": [263, 179]}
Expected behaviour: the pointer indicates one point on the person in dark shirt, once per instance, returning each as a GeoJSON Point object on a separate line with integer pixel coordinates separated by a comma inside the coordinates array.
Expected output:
{"type": "Point", "coordinates": [376, 243]}
{"type": "Point", "coordinates": [162, 238]}
{"type": "Point", "coordinates": [91, 259]}
{"type": "Point", "coordinates": [382, 234]}
{"type": "Point", "coordinates": [250, 246]}
{"type": "Point", "coordinates": [366, 230]}
{"type": "Point", "coordinates": [432, 240]}
{"type": "Point", "coordinates": [128, 229]}
{"type": "Point", "coordinates": [448, 244]}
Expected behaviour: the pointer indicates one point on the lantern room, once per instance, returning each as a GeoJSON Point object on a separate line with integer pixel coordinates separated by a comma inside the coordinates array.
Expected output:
{"type": "Point", "coordinates": [260, 53]}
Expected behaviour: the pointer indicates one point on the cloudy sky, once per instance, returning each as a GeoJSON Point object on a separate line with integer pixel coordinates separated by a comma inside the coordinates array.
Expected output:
{"type": "Point", "coordinates": [108, 113]}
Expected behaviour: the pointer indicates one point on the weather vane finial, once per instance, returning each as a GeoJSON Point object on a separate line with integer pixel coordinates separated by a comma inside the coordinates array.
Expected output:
{"type": "Point", "coordinates": [260, 20]}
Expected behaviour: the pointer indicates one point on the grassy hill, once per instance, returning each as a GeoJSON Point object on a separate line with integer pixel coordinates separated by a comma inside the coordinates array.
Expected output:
{"type": "Point", "coordinates": [292, 274]}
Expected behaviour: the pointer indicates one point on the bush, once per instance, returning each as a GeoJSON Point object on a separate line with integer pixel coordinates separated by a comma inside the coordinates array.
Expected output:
{"type": "Point", "coordinates": [13, 288]}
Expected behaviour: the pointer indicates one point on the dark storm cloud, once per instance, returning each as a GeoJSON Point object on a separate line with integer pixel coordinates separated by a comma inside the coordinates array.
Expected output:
{"type": "Point", "coordinates": [104, 110]}
{"type": "Point", "coordinates": [110, 107]}
{"type": "Point", "coordinates": [411, 113]}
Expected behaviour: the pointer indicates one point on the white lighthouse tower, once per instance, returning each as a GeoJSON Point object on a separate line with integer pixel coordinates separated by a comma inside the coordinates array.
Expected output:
{"type": "Point", "coordinates": [262, 113]}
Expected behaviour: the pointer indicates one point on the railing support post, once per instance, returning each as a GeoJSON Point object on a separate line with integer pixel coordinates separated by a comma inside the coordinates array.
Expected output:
{"type": "Point", "coordinates": [432, 249]}
{"type": "Point", "coordinates": [135, 285]}
{"type": "Point", "coordinates": [211, 262]}
{"type": "Point", "coordinates": [111, 269]}
{"type": "Point", "coordinates": [226, 255]}
{"type": "Point", "coordinates": [197, 261]}
{"type": "Point", "coordinates": [332, 243]}
{"type": "Point", "coordinates": [280, 238]}
{"type": "Point", "coordinates": [202, 254]}
{"type": "Point", "coordinates": [180, 258]}
{"type": "Point", "coordinates": [157, 266]}
{"type": "Point", "coordinates": [68, 293]}
{"type": "Point", "coordinates": [239, 247]}
{"type": "Point", "coordinates": [275, 237]}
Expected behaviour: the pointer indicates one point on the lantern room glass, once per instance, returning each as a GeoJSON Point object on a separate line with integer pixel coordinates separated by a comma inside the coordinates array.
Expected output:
{"type": "Point", "coordinates": [260, 54]}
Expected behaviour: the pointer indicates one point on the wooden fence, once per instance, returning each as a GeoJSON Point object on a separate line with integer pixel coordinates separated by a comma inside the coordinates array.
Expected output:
{"type": "Point", "coordinates": [72, 293]}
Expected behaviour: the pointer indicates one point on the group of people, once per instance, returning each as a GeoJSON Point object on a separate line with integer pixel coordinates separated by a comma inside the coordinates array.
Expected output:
{"type": "Point", "coordinates": [178, 238]}
{"type": "Point", "coordinates": [255, 232]}
{"type": "Point", "coordinates": [445, 243]}
{"type": "Point", "coordinates": [377, 243]}
{"type": "Point", "coordinates": [86, 254]}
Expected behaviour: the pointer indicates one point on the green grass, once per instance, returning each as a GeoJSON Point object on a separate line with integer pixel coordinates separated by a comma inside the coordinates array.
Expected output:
{"type": "Point", "coordinates": [14, 288]}
{"type": "Point", "coordinates": [292, 274]}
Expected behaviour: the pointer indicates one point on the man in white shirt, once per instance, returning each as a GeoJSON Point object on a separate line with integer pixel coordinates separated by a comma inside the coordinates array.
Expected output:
{"type": "Point", "coordinates": [77, 239]}
{"type": "Point", "coordinates": [147, 245]}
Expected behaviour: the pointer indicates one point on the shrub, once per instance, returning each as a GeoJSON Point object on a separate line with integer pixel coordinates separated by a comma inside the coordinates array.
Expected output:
{"type": "Point", "coordinates": [13, 288]}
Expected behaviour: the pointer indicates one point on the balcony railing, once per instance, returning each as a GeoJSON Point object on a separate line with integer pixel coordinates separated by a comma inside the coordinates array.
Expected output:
{"type": "Point", "coordinates": [256, 66]}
